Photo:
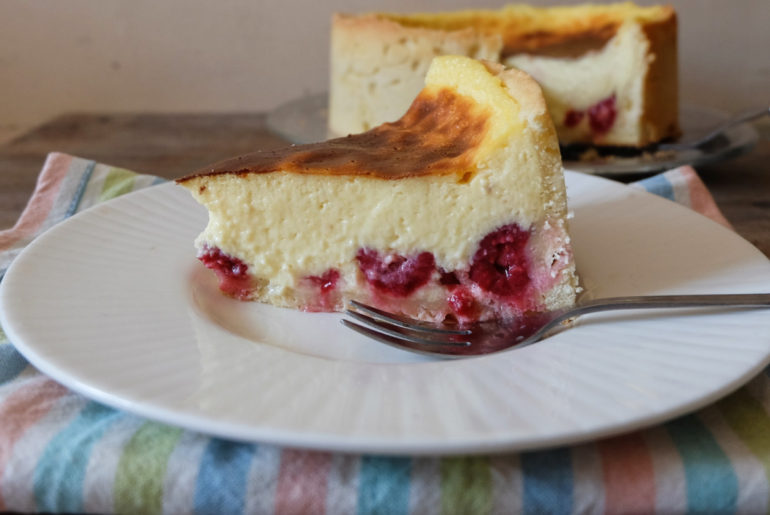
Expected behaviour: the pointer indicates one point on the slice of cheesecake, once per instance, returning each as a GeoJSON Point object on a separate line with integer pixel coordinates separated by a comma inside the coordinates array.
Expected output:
{"type": "Point", "coordinates": [456, 210]}
{"type": "Point", "coordinates": [608, 72]}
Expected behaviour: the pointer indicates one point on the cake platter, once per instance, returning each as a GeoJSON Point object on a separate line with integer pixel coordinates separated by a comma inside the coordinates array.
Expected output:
{"type": "Point", "coordinates": [304, 120]}
{"type": "Point", "coordinates": [113, 304]}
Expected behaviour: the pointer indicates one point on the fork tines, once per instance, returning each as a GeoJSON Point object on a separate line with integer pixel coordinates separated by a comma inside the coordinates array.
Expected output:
{"type": "Point", "coordinates": [394, 329]}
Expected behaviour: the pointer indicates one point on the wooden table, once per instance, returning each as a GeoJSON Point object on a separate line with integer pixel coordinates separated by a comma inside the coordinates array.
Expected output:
{"type": "Point", "coordinates": [171, 145]}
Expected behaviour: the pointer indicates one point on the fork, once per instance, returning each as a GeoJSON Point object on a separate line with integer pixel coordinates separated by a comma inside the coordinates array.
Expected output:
{"type": "Point", "coordinates": [453, 341]}
{"type": "Point", "coordinates": [739, 118]}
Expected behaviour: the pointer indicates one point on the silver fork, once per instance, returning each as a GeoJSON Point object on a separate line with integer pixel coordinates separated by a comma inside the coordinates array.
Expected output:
{"type": "Point", "coordinates": [488, 337]}
{"type": "Point", "coordinates": [739, 118]}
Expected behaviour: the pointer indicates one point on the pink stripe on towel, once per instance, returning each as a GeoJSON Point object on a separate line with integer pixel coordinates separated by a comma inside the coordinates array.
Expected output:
{"type": "Point", "coordinates": [48, 183]}
{"type": "Point", "coordinates": [701, 200]}
{"type": "Point", "coordinates": [21, 410]}
{"type": "Point", "coordinates": [302, 482]}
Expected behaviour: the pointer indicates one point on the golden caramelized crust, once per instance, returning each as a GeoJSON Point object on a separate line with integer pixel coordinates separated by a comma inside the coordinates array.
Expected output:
{"type": "Point", "coordinates": [438, 135]}
{"type": "Point", "coordinates": [552, 31]}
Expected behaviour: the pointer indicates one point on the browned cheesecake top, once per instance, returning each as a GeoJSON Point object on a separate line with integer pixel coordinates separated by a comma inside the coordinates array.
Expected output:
{"type": "Point", "coordinates": [438, 135]}
{"type": "Point", "coordinates": [558, 44]}
{"type": "Point", "coordinates": [564, 31]}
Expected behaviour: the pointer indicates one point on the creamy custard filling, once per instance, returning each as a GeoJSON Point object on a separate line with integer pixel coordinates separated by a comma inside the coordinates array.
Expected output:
{"type": "Point", "coordinates": [350, 213]}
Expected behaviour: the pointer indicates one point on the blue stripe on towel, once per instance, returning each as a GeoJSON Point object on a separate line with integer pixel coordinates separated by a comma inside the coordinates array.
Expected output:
{"type": "Point", "coordinates": [61, 470]}
{"type": "Point", "coordinates": [659, 185]}
{"type": "Point", "coordinates": [11, 362]}
{"type": "Point", "coordinates": [712, 486]}
{"type": "Point", "coordinates": [223, 476]}
{"type": "Point", "coordinates": [547, 481]}
{"type": "Point", "coordinates": [384, 485]}
{"type": "Point", "coordinates": [84, 179]}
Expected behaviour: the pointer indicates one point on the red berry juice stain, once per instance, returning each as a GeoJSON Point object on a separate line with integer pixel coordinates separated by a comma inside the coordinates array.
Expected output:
{"type": "Point", "coordinates": [462, 303]}
{"type": "Point", "coordinates": [448, 278]}
{"type": "Point", "coordinates": [325, 282]}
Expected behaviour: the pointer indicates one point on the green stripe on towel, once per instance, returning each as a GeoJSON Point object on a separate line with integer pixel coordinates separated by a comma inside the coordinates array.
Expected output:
{"type": "Point", "coordinates": [117, 182]}
{"type": "Point", "coordinates": [466, 485]}
{"type": "Point", "coordinates": [142, 469]}
{"type": "Point", "coordinates": [751, 423]}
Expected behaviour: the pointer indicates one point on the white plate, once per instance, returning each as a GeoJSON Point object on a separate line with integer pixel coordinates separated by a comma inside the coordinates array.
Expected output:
{"type": "Point", "coordinates": [113, 304]}
{"type": "Point", "coordinates": [304, 120]}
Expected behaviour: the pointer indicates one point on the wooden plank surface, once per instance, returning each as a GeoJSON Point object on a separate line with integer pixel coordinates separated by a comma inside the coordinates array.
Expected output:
{"type": "Point", "coordinates": [171, 145]}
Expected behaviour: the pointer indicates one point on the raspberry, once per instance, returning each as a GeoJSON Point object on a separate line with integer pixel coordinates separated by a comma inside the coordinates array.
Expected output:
{"type": "Point", "coordinates": [232, 272]}
{"type": "Point", "coordinates": [500, 265]}
{"type": "Point", "coordinates": [573, 118]}
{"type": "Point", "coordinates": [448, 278]}
{"type": "Point", "coordinates": [325, 282]}
{"type": "Point", "coordinates": [322, 289]}
{"type": "Point", "coordinates": [396, 274]}
{"type": "Point", "coordinates": [462, 303]}
{"type": "Point", "coordinates": [601, 116]}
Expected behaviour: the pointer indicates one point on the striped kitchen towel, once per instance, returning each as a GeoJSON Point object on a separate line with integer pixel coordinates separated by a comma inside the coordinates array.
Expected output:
{"type": "Point", "coordinates": [60, 452]}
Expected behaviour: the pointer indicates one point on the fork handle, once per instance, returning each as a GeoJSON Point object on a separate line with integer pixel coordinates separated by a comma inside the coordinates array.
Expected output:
{"type": "Point", "coordinates": [746, 116]}
{"type": "Point", "coordinates": [675, 301]}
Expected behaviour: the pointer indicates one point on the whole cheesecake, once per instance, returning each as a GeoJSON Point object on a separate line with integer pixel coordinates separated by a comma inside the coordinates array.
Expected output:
{"type": "Point", "coordinates": [455, 211]}
{"type": "Point", "coordinates": [608, 72]}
